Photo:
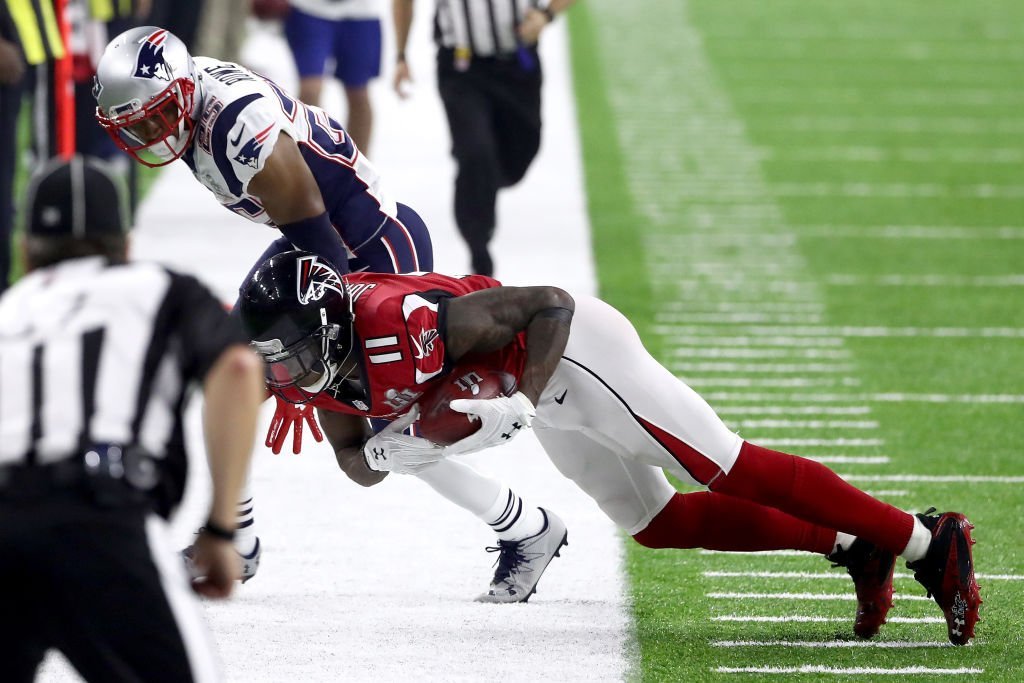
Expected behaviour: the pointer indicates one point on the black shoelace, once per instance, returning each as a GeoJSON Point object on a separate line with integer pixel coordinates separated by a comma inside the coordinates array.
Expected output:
{"type": "Point", "coordinates": [509, 559]}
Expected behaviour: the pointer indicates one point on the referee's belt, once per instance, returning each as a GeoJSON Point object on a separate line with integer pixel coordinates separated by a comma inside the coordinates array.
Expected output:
{"type": "Point", "coordinates": [109, 474]}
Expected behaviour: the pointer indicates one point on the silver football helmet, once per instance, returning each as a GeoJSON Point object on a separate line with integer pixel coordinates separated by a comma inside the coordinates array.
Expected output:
{"type": "Point", "coordinates": [145, 90]}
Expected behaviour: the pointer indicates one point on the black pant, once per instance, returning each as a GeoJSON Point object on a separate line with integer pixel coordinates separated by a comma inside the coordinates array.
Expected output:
{"type": "Point", "coordinates": [85, 580]}
{"type": "Point", "coordinates": [493, 110]}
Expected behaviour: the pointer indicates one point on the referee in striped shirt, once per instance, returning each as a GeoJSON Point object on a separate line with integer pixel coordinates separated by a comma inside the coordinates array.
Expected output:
{"type": "Point", "coordinates": [489, 77]}
{"type": "Point", "coordinates": [96, 357]}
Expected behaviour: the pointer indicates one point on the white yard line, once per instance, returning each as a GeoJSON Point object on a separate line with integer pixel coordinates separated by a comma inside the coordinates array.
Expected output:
{"type": "Point", "coordinates": [726, 595]}
{"type": "Point", "coordinates": [893, 397]}
{"type": "Point", "coordinates": [845, 443]}
{"type": "Point", "coordinates": [832, 575]}
{"type": "Point", "coordinates": [689, 351]}
{"type": "Point", "coordinates": [776, 368]}
{"type": "Point", "coordinates": [934, 478]}
{"type": "Point", "coordinates": [864, 644]}
{"type": "Point", "coordinates": [814, 619]}
{"type": "Point", "coordinates": [809, 424]}
{"type": "Point", "coordinates": [793, 410]}
{"type": "Point", "coordinates": [850, 331]}
{"type": "Point", "coordinates": [378, 584]}
{"type": "Point", "coordinates": [848, 671]}
{"type": "Point", "coordinates": [1012, 280]}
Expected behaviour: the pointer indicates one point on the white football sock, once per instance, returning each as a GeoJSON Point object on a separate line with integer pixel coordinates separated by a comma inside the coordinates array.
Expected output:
{"type": "Point", "coordinates": [511, 519]}
{"type": "Point", "coordinates": [843, 541]}
{"type": "Point", "coordinates": [484, 497]}
{"type": "Point", "coordinates": [245, 534]}
{"type": "Point", "coordinates": [917, 546]}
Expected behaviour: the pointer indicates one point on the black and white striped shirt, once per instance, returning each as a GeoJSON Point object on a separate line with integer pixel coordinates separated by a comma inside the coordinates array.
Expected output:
{"type": "Point", "coordinates": [486, 28]}
{"type": "Point", "coordinates": [92, 353]}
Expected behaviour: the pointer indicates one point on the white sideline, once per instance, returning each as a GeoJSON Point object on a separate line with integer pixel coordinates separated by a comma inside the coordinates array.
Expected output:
{"type": "Point", "coordinates": [378, 584]}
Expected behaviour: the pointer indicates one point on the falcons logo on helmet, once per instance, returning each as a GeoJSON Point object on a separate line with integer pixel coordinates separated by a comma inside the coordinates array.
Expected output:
{"type": "Point", "coordinates": [315, 278]}
{"type": "Point", "coordinates": [149, 62]}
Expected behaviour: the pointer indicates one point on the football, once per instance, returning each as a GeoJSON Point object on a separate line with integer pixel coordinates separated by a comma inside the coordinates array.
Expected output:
{"type": "Point", "coordinates": [444, 426]}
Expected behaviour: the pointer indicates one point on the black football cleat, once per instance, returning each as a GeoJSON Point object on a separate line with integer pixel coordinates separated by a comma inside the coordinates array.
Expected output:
{"type": "Point", "coordinates": [947, 572]}
{"type": "Point", "coordinates": [871, 569]}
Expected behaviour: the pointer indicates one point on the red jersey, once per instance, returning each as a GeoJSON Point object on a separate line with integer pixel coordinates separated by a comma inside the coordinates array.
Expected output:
{"type": "Point", "coordinates": [400, 337]}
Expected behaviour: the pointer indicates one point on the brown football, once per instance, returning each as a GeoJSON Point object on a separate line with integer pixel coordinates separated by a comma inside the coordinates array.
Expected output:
{"type": "Point", "coordinates": [444, 426]}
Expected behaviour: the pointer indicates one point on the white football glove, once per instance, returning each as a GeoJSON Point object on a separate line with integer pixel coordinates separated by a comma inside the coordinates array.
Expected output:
{"type": "Point", "coordinates": [501, 419]}
{"type": "Point", "coordinates": [390, 450]}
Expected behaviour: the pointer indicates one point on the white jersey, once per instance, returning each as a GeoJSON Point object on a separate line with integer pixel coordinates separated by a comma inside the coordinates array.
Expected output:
{"type": "Point", "coordinates": [242, 114]}
{"type": "Point", "coordinates": [339, 9]}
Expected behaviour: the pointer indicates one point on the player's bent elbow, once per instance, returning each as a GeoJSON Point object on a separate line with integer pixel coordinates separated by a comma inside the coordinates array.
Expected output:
{"type": "Point", "coordinates": [559, 298]}
{"type": "Point", "coordinates": [351, 462]}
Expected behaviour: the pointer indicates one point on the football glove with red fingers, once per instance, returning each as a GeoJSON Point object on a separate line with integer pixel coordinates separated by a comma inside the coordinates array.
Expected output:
{"type": "Point", "coordinates": [501, 419]}
{"type": "Point", "coordinates": [390, 450]}
{"type": "Point", "coordinates": [290, 416]}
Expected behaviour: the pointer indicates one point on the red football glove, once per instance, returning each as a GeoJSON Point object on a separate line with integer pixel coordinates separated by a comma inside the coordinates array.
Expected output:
{"type": "Point", "coordinates": [291, 416]}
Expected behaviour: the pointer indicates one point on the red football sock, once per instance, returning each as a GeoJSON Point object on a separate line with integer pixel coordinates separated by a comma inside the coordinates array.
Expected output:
{"type": "Point", "coordinates": [812, 492]}
{"type": "Point", "coordinates": [719, 522]}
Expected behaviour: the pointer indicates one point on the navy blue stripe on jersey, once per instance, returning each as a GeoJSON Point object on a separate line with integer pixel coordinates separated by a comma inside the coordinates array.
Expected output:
{"type": "Point", "coordinates": [219, 140]}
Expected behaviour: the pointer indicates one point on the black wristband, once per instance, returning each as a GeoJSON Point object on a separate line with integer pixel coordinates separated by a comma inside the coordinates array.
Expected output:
{"type": "Point", "coordinates": [217, 531]}
{"type": "Point", "coordinates": [559, 313]}
{"type": "Point", "coordinates": [548, 13]}
{"type": "Point", "coordinates": [400, 57]}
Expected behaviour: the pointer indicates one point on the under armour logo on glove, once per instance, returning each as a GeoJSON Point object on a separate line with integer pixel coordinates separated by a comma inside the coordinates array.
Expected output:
{"type": "Point", "coordinates": [392, 451]}
{"type": "Point", "coordinates": [501, 419]}
{"type": "Point", "coordinates": [515, 429]}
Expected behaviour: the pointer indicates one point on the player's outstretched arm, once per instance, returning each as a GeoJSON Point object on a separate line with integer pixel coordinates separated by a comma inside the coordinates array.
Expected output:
{"type": "Point", "coordinates": [292, 199]}
{"type": "Point", "coordinates": [346, 434]}
{"type": "Point", "coordinates": [490, 319]}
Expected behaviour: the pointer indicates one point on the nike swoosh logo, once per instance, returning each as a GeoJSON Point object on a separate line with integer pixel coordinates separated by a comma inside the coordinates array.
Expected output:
{"type": "Point", "coordinates": [561, 399]}
{"type": "Point", "coordinates": [234, 143]}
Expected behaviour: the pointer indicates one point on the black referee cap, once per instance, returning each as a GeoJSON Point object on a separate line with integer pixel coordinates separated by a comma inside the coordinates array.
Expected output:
{"type": "Point", "coordinates": [74, 198]}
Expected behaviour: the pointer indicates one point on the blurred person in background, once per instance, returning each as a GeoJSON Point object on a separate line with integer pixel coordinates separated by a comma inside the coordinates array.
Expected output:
{"type": "Point", "coordinates": [222, 29]}
{"type": "Point", "coordinates": [489, 76]}
{"type": "Point", "coordinates": [345, 34]}
{"type": "Point", "coordinates": [91, 23]}
{"type": "Point", "coordinates": [29, 44]}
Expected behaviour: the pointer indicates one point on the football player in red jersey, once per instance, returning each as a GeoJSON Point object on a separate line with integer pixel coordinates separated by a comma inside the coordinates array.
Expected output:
{"type": "Point", "coordinates": [610, 417]}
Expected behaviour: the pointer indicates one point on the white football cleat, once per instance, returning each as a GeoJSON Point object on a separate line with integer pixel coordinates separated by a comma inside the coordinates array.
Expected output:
{"type": "Point", "coordinates": [521, 563]}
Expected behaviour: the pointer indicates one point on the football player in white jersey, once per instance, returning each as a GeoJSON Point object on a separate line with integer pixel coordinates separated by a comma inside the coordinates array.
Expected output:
{"type": "Point", "coordinates": [610, 417]}
{"type": "Point", "coordinates": [277, 161]}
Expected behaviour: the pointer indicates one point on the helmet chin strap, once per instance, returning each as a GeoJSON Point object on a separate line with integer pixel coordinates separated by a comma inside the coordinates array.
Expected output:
{"type": "Point", "coordinates": [325, 379]}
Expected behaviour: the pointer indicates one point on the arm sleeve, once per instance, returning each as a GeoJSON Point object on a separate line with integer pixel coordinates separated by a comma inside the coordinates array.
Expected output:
{"type": "Point", "coordinates": [204, 326]}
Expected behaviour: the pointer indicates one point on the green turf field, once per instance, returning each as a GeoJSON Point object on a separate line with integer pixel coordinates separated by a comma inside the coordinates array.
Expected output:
{"type": "Point", "coordinates": [814, 212]}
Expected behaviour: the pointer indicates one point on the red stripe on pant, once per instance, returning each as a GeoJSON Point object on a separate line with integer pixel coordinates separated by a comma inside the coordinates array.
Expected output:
{"type": "Point", "coordinates": [702, 468]}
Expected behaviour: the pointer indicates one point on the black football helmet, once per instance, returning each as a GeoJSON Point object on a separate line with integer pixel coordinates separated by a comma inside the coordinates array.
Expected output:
{"type": "Point", "coordinates": [299, 316]}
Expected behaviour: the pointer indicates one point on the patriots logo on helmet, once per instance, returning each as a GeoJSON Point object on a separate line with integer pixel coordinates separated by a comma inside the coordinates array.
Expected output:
{"type": "Point", "coordinates": [149, 62]}
{"type": "Point", "coordinates": [250, 152]}
{"type": "Point", "coordinates": [315, 278]}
